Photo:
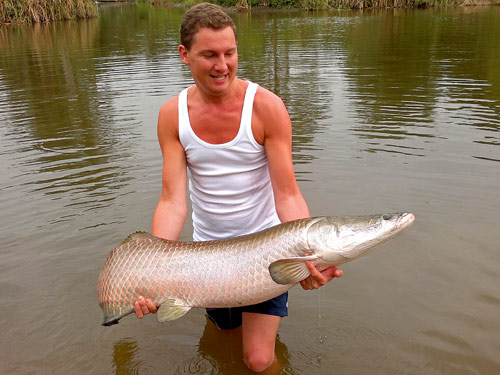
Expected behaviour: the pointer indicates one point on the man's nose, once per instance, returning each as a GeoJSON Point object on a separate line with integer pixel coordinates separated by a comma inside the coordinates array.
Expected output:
{"type": "Point", "coordinates": [221, 63]}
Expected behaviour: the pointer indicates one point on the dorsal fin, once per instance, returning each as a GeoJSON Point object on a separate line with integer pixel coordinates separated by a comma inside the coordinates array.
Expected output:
{"type": "Point", "coordinates": [137, 236]}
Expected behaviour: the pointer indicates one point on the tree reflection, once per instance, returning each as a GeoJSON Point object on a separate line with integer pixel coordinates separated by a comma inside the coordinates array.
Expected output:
{"type": "Point", "coordinates": [405, 67]}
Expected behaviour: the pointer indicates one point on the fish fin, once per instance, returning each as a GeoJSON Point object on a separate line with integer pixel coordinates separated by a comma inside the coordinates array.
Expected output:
{"type": "Point", "coordinates": [138, 236]}
{"type": "Point", "coordinates": [291, 270]}
{"type": "Point", "coordinates": [172, 309]}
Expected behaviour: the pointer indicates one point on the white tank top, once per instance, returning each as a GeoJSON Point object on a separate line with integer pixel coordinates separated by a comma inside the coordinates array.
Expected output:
{"type": "Point", "coordinates": [229, 183]}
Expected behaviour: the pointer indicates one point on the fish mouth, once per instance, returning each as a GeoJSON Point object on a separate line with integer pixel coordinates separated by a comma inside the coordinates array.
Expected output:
{"type": "Point", "coordinates": [405, 220]}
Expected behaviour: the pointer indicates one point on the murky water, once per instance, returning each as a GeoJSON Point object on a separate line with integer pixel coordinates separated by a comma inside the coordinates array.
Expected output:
{"type": "Point", "coordinates": [392, 110]}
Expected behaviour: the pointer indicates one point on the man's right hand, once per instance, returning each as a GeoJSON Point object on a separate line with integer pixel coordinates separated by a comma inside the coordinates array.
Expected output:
{"type": "Point", "coordinates": [144, 306]}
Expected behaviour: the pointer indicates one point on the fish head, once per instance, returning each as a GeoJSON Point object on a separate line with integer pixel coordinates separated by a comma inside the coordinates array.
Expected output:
{"type": "Point", "coordinates": [337, 240]}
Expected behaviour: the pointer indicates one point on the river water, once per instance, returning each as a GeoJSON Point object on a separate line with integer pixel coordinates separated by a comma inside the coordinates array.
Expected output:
{"type": "Point", "coordinates": [394, 110]}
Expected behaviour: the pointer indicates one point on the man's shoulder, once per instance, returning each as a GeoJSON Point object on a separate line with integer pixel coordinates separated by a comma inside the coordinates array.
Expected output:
{"type": "Point", "coordinates": [264, 94]}
{"type": "Point", "coordinates": [168, 118]}
{"type": "Point", "coordinates": [170, 106]}
{"type": "Point", "coordinates": [267, 103]}
{"type": "Point", "coordinates": [270, 116]}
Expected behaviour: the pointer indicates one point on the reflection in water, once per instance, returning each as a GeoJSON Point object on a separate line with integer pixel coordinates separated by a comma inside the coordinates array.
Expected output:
{"type": "Point", "coordinates": [406, 82]}
{"type": "Point", "coordinates": [58, 118]}
{"type": "Point", "coordinates": [396, 108]}
{"type": "Point", "coordinates": [124, 357]}
{"type": "Point", "coordinates": [219, 353]}
{"type": "Point", "coordinates": [64, 92]}
{"type": "Point", "coordinates": [222, 350]}
{"type": "Point", "coordinates": [278, 52]}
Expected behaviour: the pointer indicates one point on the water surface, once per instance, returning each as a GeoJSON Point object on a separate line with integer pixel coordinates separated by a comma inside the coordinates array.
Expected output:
{"type": "Point", "coordinates": [392, 110]}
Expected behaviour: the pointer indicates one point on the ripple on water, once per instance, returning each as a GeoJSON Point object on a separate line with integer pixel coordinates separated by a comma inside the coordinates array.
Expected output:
{"type": "Point", "coordinates": [349, 343]}
{"type": "Point", "coordinates": [203, 365]}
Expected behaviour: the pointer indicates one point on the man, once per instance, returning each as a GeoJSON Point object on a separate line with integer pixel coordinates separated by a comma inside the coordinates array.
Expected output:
{"type": "Point", "coordinates": [231, 139]}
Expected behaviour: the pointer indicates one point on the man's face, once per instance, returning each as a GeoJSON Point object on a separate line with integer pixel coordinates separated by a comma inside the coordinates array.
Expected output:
{"type": "Point", "coordinates": [213, 59]}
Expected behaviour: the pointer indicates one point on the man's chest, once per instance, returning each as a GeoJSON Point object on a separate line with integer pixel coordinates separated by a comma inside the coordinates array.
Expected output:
{"type": "Point", "coordinates": [215, 125]}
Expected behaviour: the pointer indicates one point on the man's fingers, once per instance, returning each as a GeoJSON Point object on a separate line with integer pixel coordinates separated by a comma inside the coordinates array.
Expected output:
{"type": "Point", "coordinates": [332, 272]}
{"type": "Point", "coordinates": [312, 268]}
{"type": "Point", "coordinates": [151, 306]}
{"type": "Point", "coordinates": [338, 273]}
{"type": "Point", "coordinates": [138, 310]}
{"type": "Point", "coordinates": [306, 284]}
{"type": "Point", "coordinates": [318, 279]}
{"type": "Point", "coordinates": [144, 306]}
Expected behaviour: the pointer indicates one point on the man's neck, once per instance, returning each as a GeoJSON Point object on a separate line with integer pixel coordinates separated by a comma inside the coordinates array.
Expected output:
{"type": "Point", "coordinates": [237, 87]}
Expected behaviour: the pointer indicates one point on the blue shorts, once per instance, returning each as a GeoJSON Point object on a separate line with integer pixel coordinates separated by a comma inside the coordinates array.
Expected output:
{"type": "Point", "coordinates": [229, 318]}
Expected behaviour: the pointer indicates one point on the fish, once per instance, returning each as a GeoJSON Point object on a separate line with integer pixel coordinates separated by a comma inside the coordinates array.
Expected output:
{"type": "Point", "coordinates": [233, 272]}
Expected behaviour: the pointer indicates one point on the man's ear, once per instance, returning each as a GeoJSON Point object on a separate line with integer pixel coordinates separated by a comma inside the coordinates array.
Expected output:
{"type": "Point", "coordinates": [183, 53]}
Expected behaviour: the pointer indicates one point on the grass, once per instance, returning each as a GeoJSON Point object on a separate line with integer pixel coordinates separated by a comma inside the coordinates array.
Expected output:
{"type": "Point", "coordinates": [321, 4]}
{"type": "Point", "coordinates": [28, 11]}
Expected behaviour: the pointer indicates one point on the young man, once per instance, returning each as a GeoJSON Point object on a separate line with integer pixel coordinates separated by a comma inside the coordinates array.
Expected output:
{"type": "Point", "coordinates": [231, 139]}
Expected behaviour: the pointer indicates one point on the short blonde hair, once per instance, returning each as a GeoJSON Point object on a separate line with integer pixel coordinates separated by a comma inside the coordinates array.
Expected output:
{"type": "Point", "coordinates": [203, 15]}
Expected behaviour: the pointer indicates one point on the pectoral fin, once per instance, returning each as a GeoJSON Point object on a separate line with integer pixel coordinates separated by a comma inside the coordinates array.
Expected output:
{"type": "Point", "coordinates": [172, 309]}
{"type": "Point", "coordinates": [291, 270]}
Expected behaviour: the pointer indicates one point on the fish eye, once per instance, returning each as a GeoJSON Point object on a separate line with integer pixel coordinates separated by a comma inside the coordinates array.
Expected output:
{"type": "Point", "coordinates": [386, 217]}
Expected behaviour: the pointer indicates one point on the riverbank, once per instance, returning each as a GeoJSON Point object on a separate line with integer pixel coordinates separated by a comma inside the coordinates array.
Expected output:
{"type": "Point", "coordinates": [30, 11]}
{"type": "Point", "coordinates": [330, 4]}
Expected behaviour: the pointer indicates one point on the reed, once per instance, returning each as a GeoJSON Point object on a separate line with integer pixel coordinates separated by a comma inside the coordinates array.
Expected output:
{"type": "Point", "coordinates": [322, 4]}
{"type": "Point", "coordinates": [363, 4]}
{"type": "Point", "coordinates": [328, 4]}
{"type": "Point", "coordinates": [28, 11]}
{"type": "Point", "coordinates": [314, 4]}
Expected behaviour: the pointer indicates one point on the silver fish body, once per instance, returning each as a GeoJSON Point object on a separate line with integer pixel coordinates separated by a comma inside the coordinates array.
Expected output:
{"type": "Point", "coordinates": [234, 272]}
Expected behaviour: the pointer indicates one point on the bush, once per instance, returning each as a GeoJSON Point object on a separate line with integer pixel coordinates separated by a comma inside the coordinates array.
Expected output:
{"type": "Point", "coordinates": [45, 10]}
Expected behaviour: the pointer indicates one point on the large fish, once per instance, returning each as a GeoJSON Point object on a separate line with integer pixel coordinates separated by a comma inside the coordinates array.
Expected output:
{"type": "Point", "coordinates": [234, 272]}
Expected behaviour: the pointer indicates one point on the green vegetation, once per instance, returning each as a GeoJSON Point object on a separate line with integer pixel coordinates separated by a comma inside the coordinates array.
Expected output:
{"type": "Point", "coordinates": [45, 10]}
{"type": "Point", "coordinates": [321, 4]}
{"type": "Point", "coordinates": [28, 11]}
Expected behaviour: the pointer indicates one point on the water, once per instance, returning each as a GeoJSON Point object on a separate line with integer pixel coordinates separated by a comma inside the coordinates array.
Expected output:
{"type": "Point", "coordinates": [392, 110]}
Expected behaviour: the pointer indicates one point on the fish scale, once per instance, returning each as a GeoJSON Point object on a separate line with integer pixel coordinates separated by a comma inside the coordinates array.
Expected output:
{"type": "Point", "coordinates": [235, 272]}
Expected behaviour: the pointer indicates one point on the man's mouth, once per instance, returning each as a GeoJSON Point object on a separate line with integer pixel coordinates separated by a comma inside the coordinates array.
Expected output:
{"type": "Point", "coordinates": [219, 77]}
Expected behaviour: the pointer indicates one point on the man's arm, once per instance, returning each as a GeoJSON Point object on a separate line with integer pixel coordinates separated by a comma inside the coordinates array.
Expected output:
{"type": "Point", "coordinates": [272, 128]}
{"type": "Point", "coordinates": [171, 211]}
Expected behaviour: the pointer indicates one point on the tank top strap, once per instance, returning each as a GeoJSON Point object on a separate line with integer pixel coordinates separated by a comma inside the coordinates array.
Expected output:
{"type": "Point", "coordinates": [186, 131]}
{"type": "Point", "coordinates": [183, 115]}
{"type": "Point", "coordinates": [246, 114]}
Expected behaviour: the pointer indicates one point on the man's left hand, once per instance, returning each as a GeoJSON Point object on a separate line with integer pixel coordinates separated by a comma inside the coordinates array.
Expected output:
{"type": "Point", "coordinates": [319, 278]}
